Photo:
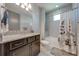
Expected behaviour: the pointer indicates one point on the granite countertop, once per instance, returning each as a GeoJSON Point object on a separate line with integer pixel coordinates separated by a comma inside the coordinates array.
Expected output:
{"type": "Point", "coordinates": [9, 38]}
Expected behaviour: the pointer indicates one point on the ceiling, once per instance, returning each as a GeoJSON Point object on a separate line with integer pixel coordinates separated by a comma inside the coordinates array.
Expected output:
{"type": "Point", "coordinates": [50, 6]}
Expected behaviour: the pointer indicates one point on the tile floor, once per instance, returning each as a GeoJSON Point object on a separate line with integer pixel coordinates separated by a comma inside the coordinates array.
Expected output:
{"type": "Point", "coordinates": [45, 50]}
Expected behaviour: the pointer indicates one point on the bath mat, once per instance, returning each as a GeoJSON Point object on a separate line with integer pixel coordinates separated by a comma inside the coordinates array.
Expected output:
{"type": "Point", "coordinates": [58, 52]}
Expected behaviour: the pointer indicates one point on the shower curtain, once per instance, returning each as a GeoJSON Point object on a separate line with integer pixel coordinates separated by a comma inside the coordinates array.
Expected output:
{"type": "Point", "coordinates": [67, 39]}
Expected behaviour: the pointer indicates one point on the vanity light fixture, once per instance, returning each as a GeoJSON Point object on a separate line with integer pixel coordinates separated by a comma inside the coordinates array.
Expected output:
{"type": "Point", "coordinates": [26, 6]}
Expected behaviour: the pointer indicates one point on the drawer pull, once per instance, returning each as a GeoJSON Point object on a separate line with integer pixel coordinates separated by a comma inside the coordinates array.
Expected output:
{"type": "Point", "coordinates": [18, 44]}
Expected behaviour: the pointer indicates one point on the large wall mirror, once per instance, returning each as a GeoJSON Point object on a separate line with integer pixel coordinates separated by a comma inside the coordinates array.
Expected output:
{"type": "Point", "coordinates": [19, 18]}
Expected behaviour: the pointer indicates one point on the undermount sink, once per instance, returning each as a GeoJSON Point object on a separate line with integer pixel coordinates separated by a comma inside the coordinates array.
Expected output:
{"type": "Point", "coordinates": [15, 32]}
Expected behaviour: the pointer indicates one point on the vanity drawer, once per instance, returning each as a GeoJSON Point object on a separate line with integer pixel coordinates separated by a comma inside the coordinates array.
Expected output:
{"type": "Point", "coordinates": [23, 51]}
{"type": "Point", "coordinates": [18, 43]}
{"type": "Point", "coordinates": [31, 39]}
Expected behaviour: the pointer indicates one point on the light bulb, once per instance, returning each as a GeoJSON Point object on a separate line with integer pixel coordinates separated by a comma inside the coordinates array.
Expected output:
{"type": "Point", "coordinates": [27, 9]}
{"type": "Point", "coordinates": [22, 5]}
{"type": "Point", "coordinates": [29, 6]}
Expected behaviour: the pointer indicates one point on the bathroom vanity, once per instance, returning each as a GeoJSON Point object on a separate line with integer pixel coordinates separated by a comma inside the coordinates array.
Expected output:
{"type": "Point", "coordinates": [17, 38]}
{"type": "Point", "coordinates": [20, 45]}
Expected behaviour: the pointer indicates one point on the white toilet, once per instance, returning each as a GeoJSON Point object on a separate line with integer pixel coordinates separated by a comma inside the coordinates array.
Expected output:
{"type": "Point", "coordinates": [45, 44]}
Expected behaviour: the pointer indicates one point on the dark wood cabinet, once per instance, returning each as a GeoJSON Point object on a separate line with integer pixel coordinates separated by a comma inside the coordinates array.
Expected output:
{"type": "Point", "coordinates": [23, 51]}
{"type": "Point", "coordinates": [29, 46]}
{"type": "Point", "coordinates": [35, 48]}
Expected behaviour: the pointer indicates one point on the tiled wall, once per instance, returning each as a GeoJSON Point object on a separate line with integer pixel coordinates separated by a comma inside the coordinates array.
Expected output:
{"type": "Point", "coordinates": [53, 28]}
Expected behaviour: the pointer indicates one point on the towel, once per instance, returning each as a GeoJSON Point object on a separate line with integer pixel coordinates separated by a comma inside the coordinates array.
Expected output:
{"type": "Point", "coordinates": [4, 19]}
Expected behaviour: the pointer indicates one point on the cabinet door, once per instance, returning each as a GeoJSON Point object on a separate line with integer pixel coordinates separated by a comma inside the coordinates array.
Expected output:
{"type": "Point", "coordinates": [23, 51]}
{"type": "Point", "coordinates": [35, 48]}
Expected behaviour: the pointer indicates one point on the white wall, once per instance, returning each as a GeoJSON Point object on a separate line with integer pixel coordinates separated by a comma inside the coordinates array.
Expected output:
{"type": "Point", "coordinates": [42, 23]}
{"type": "Point", "coordinates": [36, 18]}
